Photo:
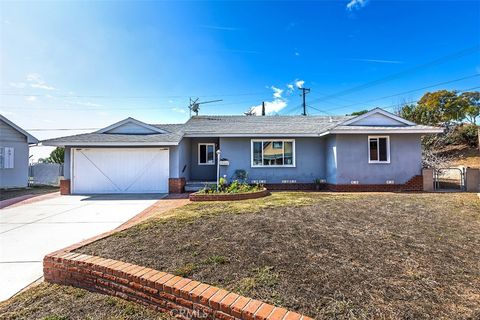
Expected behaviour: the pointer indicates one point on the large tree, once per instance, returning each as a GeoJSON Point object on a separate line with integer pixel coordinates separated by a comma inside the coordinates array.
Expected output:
{"type": "Point", "coordinates": [443, 107]}
{"type": "Point", "coordinates": [471, 101]}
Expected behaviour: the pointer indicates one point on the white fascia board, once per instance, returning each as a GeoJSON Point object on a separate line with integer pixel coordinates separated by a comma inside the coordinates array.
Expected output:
{"type": "Point", "coordinates": [385, 131]}
{"type": "Point", "coordinates": [132, 120]}
{"type": "Point", "coordinates": [249, 135]}
{"type": "Point", "coordinates": [377, 110]}
{"type": "Point", "coordinates": [109, 144]}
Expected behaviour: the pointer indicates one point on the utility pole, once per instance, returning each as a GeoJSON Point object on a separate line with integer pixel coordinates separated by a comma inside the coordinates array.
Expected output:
{"type": "Point", "coordinates": [304, 93]}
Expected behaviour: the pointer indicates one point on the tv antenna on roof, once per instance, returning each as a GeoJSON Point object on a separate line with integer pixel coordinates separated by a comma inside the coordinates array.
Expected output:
{"type": "Point", "coordinates": [195, 105]}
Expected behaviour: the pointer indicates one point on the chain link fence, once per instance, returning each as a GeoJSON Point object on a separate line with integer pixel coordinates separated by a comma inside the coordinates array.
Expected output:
{"type": "Point", "coordinates": [45, 174]}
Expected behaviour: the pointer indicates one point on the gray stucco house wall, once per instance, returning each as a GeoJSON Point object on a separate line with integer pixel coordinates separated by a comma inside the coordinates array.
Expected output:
{"type": "Point", "coordinates": [180, 160]}
{"type": "Point", "coordinates": [201, 172]}
{"type": "Point", "coordinates": [331, 159]}
{"type": "Point", "coordinates": [13, 137]}
{"type": "Point", "coordinates": [309, 161]}
{"type": "Point", "coordinates": [352, 160]}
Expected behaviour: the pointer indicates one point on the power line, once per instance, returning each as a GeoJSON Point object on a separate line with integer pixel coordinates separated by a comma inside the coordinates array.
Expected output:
{"type": "Point", "coordinates": [405, 92]}
{"type": "Point", "coordinates": [128, 97]}
{"type": "Point", "coordinates": [64, 129]}
{"type": "Point", "coordinates": [84, 108]}
{"type": "Point", "coordinates": [441, 60]}
{"type": "Point", "coordinates": [405, 102]}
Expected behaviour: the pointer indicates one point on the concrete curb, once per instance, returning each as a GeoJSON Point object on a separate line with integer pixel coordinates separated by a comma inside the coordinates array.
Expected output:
{"type": "Point", "coordinates": [28, 198]}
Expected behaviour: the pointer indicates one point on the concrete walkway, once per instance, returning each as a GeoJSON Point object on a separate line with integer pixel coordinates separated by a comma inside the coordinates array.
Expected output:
{"type": "Point", "coordinates": [28, 232]}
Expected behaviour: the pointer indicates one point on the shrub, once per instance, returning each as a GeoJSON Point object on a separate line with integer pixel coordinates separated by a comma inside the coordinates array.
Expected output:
{"type": "Point", "coordinates": [465, 134]}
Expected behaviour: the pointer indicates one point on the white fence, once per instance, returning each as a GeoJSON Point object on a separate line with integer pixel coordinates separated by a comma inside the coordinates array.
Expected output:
{"type": "Point", "coordinates": [45, 174]}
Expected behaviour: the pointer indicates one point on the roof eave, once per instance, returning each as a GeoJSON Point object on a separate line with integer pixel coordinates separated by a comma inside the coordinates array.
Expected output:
{"type": "Point", "coordinates": [385, 131]}
{"type": "Point", "coordinates": [255, 135]}
{"type": "Point", "coordinates": [107, 144]}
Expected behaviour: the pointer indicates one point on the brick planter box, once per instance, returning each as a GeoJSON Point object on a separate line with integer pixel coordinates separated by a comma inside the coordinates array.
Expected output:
{"type": "Point", "coordinates": [228, 196]}
{"type": "Point", "coordinates": [182, 297]}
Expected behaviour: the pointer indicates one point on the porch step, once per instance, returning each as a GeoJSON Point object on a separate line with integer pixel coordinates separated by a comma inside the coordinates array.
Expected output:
{"type": "Point", "coordinates": [194, 186]}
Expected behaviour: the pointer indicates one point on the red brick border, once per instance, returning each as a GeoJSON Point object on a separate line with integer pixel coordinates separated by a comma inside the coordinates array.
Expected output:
{"type": "Point", "coordinates": [414, 184]}
{"type": "Point", "coordinates": [228, 196]}
{"type": "Point", "coordinates": [185, 298]}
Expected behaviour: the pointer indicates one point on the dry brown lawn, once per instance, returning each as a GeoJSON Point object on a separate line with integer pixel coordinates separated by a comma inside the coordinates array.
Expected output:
{"type": "Point", "coordinates": [55, 302]}
{"type": "Point", "coordinates": [327, 255]}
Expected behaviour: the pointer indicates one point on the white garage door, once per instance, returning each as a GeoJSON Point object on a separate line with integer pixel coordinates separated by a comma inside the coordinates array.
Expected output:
{"type": "Point", "coordinates": [120, 170]}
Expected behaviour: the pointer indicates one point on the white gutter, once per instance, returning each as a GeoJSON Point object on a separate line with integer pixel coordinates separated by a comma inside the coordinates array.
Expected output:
{"type": "Point", "coordinates": [364, 131]}
{"type": "Point", "coordinates": [108, 144]}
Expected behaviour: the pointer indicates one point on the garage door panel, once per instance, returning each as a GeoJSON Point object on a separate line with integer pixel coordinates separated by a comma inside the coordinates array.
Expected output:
{"type": "Point", "coordinates": [121, 170]}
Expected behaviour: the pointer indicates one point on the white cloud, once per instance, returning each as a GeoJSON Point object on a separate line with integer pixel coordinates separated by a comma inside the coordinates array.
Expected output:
{"type": "Point", "coordinates": [31, 98]}
{"type": "Point", "coordinates": [297, 53]}
{"type": "Point", "coordinates": [290, 87]}
{"type": "Point", "coordinates": [271, 107]}
{"type": "Point", "coordinates": [36, 81]}
{"type": "Point", "coordinates": [299, 83]}
{"type": "Point", "coordinates": [277, 92]}
{"type": "Point", "coordinates": [274, 106]}
{"type": "Point", "coordinates": [18, 84]}
{"type": "Point", "coordinates": [356, 4]}
{"type": "Point", "coordinates": [378, 61]}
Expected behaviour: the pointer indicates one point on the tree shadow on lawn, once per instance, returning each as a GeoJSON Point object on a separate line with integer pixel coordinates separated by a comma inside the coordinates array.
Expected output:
{"type": "Point", "coordinates": [343, 256]}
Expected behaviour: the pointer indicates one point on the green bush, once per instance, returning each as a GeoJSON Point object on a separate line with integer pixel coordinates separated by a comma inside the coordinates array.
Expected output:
{"type": "Point", "coordinates": [234, 187]}
{"type": "Point", "coordinates": [464, 134]}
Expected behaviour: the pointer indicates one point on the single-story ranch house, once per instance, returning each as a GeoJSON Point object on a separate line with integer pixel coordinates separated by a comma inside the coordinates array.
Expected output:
{"type": "Point", "coordinates": [374, 151]}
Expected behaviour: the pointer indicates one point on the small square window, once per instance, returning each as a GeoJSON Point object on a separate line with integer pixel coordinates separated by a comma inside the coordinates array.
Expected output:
{"type": "Point", "coordinates": [378, 149]}
{"type": "Point", "coordinates": [206, 153]}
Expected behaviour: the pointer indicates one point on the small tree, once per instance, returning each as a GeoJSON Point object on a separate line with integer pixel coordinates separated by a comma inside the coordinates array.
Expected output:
{"type": "Point", "coordinates": [357, 113]}
{"type": "Point", "coordinates": [56, 156]}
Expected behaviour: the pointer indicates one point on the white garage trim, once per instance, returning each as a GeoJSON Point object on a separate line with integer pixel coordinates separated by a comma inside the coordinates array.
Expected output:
{"type": "Point", "coordinates": [119, 170]}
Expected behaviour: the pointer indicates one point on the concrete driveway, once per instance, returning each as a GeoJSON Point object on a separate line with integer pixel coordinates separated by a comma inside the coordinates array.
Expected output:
{"type": "Point", "coordinates": [28, 232]}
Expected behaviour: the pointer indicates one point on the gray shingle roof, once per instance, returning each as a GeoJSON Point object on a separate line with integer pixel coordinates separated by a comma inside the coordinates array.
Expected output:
{"type": "Point", "coordinates": [242, 125]}
{"type": "Point", "coordinates": [414, 128]}
{"type": "Point", "coordinates": [174, 135]}
{"type": "Point", "coordinates": [232, 126]}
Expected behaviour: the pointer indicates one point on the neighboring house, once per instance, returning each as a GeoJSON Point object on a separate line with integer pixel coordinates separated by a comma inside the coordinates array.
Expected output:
{"type": "Point", "coordinates": [14, 146]}
{"type": "Point", "coordinates": [284, 152]}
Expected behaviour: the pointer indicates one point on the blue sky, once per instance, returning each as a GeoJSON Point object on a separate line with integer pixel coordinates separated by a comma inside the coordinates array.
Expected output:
{"type": "Point", "coordinates": [89, 64]}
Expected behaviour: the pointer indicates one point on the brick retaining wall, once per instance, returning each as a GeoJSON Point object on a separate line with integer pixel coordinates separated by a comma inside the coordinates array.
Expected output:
{"type": "Point", "coordinates": [185, 298]}
{"type": "Point", "coordinates": [414, 184]}
{"type": "Point", "coordinates": [228, 196]}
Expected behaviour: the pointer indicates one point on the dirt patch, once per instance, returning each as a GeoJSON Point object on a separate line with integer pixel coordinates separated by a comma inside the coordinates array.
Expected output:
{"type": "Point", "coordinates": [343, 256]}
{"type": "Point", "coordinates": [13, 193]}
{"type": "Point", "coordinates": [55, 302]}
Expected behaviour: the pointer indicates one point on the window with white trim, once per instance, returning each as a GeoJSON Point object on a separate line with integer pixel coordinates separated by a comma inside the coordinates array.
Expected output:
{"type": "Point", "coordinates": [206, 153]}
{"type": "Point", "coordinates": [273, 153]}
{"type": "Point", "coordinates": [378, 149]}
{"type": "Point", "coordinates": [7, 157]}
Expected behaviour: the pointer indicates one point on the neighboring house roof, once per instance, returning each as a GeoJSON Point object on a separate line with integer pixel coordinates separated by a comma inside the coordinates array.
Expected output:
{"type": "Point", "coordinates": [121, 133]}
{"type": "Point", "coordinates": [30, 139]}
